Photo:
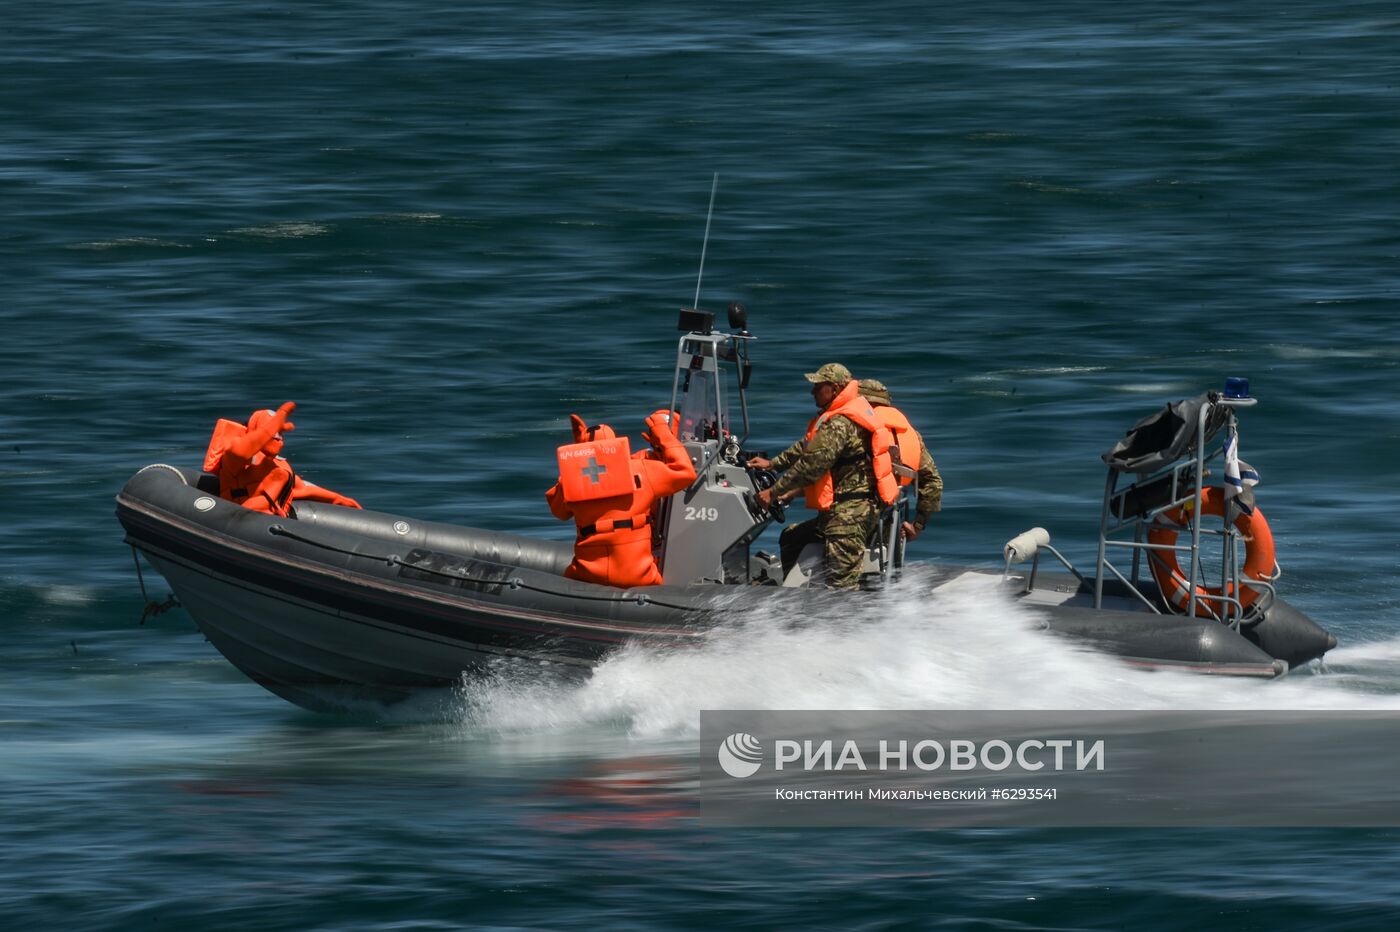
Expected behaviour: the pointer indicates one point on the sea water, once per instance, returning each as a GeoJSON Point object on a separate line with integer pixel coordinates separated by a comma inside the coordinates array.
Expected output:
{"type": "Point", "coordinates": [440, 229]}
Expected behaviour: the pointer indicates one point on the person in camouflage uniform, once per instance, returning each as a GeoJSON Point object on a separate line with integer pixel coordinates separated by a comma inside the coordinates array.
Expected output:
{"type": "Point", "coordinates": [929, 483]}
{"type": "Point", "coordinates": [841, 448]}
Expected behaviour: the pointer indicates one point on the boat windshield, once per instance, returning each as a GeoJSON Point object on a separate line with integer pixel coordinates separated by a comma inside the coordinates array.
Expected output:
{"type": "Point", "coordinates": [702, 417]}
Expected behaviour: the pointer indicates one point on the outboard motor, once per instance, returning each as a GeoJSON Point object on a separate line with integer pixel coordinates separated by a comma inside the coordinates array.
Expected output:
{"type": "Point", "coordinates": [706, 530]}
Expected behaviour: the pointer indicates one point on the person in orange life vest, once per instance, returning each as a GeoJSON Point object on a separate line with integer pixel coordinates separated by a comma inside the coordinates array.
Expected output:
{"type": "Point", "coordinates": [845, 467]}
{"type": "Point", "coordinates": [913, 455]}
{"type": "Point", "coordinates": [610, 494]}
{"type": "Point", "coordinates": [251, 473]}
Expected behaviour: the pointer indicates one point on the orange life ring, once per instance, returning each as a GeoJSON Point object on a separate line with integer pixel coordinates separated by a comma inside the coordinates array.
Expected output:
{"type": "Point", "coordinates": [1258, 560]}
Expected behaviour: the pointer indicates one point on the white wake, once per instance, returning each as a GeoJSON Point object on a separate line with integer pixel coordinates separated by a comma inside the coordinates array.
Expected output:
{"type": "Point", "coordinates": [966, 647]}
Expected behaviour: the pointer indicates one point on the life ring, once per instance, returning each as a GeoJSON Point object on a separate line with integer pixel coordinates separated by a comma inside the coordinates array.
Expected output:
{"type": "Point", "coordinates": [1258, 560]}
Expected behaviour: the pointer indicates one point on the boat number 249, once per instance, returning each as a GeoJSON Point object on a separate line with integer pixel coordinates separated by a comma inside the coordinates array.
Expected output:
{"type": "Point", "coordinates": [693, 513]}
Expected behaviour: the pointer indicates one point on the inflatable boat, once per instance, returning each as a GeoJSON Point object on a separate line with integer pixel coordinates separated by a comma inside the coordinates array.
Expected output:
{"type": "Point", "coordinates": [333, 606]}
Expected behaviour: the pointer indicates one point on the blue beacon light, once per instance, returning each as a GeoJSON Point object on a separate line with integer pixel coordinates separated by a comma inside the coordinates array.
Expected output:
{"type": "Point", "coordinates": [1236, 387]}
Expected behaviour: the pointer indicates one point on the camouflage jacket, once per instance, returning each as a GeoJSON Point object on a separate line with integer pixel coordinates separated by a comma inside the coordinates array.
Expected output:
{"type": "Point", "coordinates": [840, 448]}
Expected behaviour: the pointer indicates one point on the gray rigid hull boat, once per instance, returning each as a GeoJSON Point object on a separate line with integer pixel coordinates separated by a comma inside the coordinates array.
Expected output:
{"type": "Point", "coordinates": [336, 605]}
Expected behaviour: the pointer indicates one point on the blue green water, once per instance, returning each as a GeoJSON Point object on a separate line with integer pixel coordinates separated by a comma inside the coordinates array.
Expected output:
{"type": "Point", "coordinates": [440, 229]}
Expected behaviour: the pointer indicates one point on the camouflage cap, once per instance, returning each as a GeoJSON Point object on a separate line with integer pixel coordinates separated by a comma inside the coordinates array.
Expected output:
{"type": "Point", "coordinates": [832, 372]}
{"type": "Point", "coordinates": [875, 392]}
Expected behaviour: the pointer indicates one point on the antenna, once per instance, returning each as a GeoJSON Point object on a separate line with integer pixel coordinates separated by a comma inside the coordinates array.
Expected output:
{"type": "Point", "coordinates": [714, 184]}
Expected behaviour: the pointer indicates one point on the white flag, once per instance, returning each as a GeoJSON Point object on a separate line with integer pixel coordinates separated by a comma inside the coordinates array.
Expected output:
{"type": "Point", "coordinates": [1240, 477]}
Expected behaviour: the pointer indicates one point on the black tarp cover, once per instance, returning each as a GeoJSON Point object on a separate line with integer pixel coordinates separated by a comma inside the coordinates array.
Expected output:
{"type": "Point", "coordinates": [1161, 439]}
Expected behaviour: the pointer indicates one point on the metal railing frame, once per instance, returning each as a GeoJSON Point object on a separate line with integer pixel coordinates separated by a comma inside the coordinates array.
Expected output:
{"type": "Point", "coordinates": [1187, 476]}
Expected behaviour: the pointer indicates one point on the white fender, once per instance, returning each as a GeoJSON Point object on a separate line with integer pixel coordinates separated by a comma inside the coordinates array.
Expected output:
{"type": "Point", "coordinates": [1025, 545]}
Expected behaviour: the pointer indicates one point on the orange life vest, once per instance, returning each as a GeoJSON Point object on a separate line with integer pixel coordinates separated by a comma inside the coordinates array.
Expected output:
{"type": "Point", "coordinates": [262, 483]}
{"type": "Point", "coordinates": [613, 546]}
{"type": "Point", "coordinates": [849, 403]}
{"type": "Point", "coordinates": [225, 433]}
{"type": "Point", "coordinates": [905, 436]}
{"type": "Point", "coordinates": [595, 469]}
{"type": "Point", "coordinates": [264, 486]}
{"type": "Point", "coordinates": [251, 473]}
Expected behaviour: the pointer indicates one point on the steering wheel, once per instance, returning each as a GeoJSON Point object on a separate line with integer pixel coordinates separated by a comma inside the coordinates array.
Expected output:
{"type": "Point", "coordinates": [765, 479]}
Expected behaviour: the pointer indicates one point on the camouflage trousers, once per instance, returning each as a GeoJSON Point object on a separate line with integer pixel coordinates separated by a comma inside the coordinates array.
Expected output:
{"type": "Point", "coordinates": [844, 532]}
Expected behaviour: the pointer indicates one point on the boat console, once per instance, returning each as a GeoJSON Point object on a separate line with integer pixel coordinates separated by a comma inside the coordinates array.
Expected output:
{"type": "Point", "coordinates": [706, 531]}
